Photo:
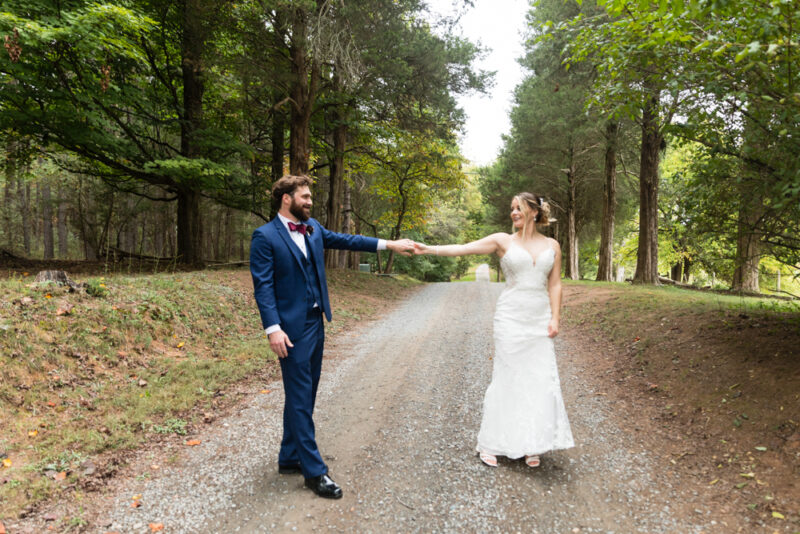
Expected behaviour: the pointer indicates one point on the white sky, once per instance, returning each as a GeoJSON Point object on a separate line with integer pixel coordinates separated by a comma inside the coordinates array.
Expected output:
{"type": "Point", "coordinates": [498, 26]}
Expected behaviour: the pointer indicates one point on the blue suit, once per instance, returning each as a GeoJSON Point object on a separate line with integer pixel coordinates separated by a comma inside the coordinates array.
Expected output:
{"type": "Point", "coordinates": [287, 285]}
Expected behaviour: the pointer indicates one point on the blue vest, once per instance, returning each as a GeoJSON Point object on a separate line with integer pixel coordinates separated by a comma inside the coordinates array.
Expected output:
{"type": "Point", "coordinates": [313, 291]}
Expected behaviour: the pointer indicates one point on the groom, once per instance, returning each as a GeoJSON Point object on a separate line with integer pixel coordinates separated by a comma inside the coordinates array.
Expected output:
{"type": "Point", "coordinates": [288, 268]}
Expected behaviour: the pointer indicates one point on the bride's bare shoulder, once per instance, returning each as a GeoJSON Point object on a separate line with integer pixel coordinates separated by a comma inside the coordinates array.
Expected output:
{"type": "Point", "coordinates": [554, 244]}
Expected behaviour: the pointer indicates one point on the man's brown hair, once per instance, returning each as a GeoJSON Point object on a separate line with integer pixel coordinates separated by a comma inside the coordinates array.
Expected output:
{"type": "Point", "coordinates": [287, 185]}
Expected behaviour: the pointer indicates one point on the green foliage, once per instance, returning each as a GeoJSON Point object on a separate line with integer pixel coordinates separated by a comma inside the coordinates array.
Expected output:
{"type": "Point", "coordinates": [96, 288]}
{"type": "Point", "coordinates": [171, 426]}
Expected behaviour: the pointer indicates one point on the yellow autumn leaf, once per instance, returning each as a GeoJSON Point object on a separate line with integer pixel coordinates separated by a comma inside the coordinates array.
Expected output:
{"type": "Point", "coordinates": [713, 482]}
{"type": "Point", "coordinates": [6, 462]}
{"type": "Point", "coordinates": [778, 515]}
{"type": "Point", "coordinates": [747, 475]}
{"type": "Point", "coordinates": [48, 296]}
{"type": "Point", "coordinates": [33, 433]}
{"type": "Point", "coordinates": [181, 344]}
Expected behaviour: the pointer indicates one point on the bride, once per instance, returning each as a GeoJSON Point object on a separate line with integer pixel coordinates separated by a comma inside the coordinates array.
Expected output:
{"type": "Point", "coordinates": [523, 412]}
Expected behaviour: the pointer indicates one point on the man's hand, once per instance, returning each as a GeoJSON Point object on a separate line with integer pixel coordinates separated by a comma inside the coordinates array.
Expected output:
{"type": "Point", "coordinates": [552, 328]}
{"type": "Point", "coordinates": [401, 246]}
{"type": "Point", "coordinates": [280, 344]}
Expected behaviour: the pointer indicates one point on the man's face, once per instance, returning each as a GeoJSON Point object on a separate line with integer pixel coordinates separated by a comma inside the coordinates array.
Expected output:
{"type": "Point", "coordinates": [301, 203]}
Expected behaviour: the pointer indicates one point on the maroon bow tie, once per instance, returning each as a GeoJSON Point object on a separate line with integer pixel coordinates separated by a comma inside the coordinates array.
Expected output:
{"type": "Point", "coordinates": [301, 228]}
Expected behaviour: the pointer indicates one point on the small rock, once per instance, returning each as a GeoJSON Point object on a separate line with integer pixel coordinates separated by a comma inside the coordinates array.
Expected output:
{"type": "Point", "coordinates": [142, 382]}
{"type": "Point", "coordinates": [89, 468]}
{"type": "Point", "coordinates": [50, 517]}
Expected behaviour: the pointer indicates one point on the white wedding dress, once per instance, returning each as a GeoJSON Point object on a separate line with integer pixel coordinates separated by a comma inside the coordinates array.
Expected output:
{"type": "Point", "coordinates": [523, 412]}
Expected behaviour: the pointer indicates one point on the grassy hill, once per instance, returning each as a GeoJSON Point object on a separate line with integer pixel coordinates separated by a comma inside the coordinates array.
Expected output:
{"type": "Point", "coordinates": [713, 380]}
{"type": "Point", "coordinates": [87, 375]}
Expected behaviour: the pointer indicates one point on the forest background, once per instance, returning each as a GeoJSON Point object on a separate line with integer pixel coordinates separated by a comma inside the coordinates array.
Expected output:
{"type": "Point", "coordinates": [664, 134]}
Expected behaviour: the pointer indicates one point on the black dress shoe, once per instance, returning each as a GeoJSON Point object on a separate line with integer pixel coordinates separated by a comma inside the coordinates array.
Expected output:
{"type": "Point", "coordinates": [324, 486]}
{"type": "Point", "coordinates": [290, 469]}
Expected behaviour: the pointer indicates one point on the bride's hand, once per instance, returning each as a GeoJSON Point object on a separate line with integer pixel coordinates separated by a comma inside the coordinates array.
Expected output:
{"type": "Point", "coordinates": [420, 248]}
{"type": "Point", "coordinates": [552, 328]}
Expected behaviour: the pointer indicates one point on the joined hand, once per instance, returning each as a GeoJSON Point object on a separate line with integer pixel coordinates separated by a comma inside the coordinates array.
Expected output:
{"type": "Point", "coordinates": [401, 246]}
{"type": "Point", "coordinates": [421, 248]}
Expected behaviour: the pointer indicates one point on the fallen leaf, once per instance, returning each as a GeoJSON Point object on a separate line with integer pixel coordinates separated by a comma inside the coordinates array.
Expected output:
{"type": "Point", "coordinates": [713, 482]}
{"type": "Point", "coordinates": [136, 504]}
{"type": "Point", "coordinates": [741, 485]}
{"type": "Point", "coordinates": [48, 296]}
{"type": "Point", "coordinates": [60, 476]}
{"type": "Point", "coordinates": [181, 344]}
{"type": "Point", "coordinates": [762, 449]}
{"type": "Point", "coordinates": [51, 404]}
{"type": "Point", "coordinates": [265, 391]}
{"type": "Point", "coordinates": [747, 475]}
{"type": "Point", "coordinates": [33, 433]}
{"type": "Point", "coordinates": [137, 496]}
{"type": "Point", "coordinates": [156, 527]}
{"type": "Point", "coordinates": [142, 383]}
{"type": "Point", "coordinates": [778, 515]}
{"type": "Point", "coordinates": [66, 309]}
{"type": "Point", "coordinates": [6, 462]}
{"type": "Point", "coordinates": [193, 442]}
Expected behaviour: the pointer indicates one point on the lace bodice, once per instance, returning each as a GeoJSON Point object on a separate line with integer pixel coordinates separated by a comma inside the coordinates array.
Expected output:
{"type": "Point", "coordinates": [522, 271]}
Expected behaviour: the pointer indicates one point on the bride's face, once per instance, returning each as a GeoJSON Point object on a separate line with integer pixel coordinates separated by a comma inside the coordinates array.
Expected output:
{"type": "Point", "coordinates": [517, 217]}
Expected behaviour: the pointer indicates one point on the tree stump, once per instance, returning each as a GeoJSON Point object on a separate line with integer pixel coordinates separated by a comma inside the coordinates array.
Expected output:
{"type": "Point", "coordinates": [57, 277]}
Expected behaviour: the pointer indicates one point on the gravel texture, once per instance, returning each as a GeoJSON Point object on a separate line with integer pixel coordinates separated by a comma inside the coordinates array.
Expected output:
{"type": "Point", "coordinates": [397, 416]}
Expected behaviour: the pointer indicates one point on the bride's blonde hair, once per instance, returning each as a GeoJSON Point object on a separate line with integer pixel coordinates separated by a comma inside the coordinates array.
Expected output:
{"type": "Point", "coordinates": [529, 203]}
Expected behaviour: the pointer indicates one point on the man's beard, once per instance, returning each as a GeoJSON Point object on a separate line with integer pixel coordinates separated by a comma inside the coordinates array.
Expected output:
{"type": "Point", "coordinates": [298, 211]}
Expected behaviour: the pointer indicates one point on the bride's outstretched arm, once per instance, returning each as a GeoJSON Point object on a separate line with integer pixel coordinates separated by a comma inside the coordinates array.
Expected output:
{"type": "Point", "coordinates": [554, 290]}
{"type": "Point", "coordinates": [487, 245]}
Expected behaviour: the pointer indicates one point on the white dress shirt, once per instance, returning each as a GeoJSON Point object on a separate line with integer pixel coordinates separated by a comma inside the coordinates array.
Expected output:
{"type": "Point", "coordinates": [300, 240]}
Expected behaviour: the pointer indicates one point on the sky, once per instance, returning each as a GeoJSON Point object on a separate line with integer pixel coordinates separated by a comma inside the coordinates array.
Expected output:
{"type": "Point", "coordinates": [498, 26]}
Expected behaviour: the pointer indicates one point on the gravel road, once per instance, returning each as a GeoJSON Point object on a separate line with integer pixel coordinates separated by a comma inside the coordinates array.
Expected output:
{"type": "Point", "coordinates": [397, 415]}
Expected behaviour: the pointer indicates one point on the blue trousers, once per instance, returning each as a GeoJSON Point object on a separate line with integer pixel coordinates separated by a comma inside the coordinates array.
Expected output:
{"type": "Point", "coordinates": [301, 371]}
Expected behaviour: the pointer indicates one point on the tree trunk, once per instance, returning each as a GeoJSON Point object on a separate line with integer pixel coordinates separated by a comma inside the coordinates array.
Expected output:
{"type": "Point", "coordinates": [354, 257]}
{"type": "Point", "coordinates": [24, 195]}
{"type": "Point", "coordinates": [647, 254]}
{"type": "Point", "coordinates": [605, 271]}
{"type": "Point", "coordinates": [676, 271]}
{"type": "Point", "coordinates": [336, 190]}
{"type": "Point", "coordinates": [190, 233]}
{"type": "Point", "coordinates": [572, 231]}
{"type": "Point", "coordinates": [8, 195]}
{"type": "Point", "coordinates": [277, 138]}
{"type": "Point", "coordinates": [347, 222]}
{"type": "Point", "coordinates": [61, 225]}
{"type": "Point", "coordinates": [303, 92]}
{"type": "Point", "coordinates": [129, 235]}
{"type": "Point", "coordinates": [748, 245]}
{"type": "Point", "coordinates": [47, 222]}
{"type": "Point", "coordinates": [88, 234]}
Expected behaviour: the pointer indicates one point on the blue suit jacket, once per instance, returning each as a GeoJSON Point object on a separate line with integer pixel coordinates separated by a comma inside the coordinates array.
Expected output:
{"type": "Point", "coordinates": [279, 280]}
